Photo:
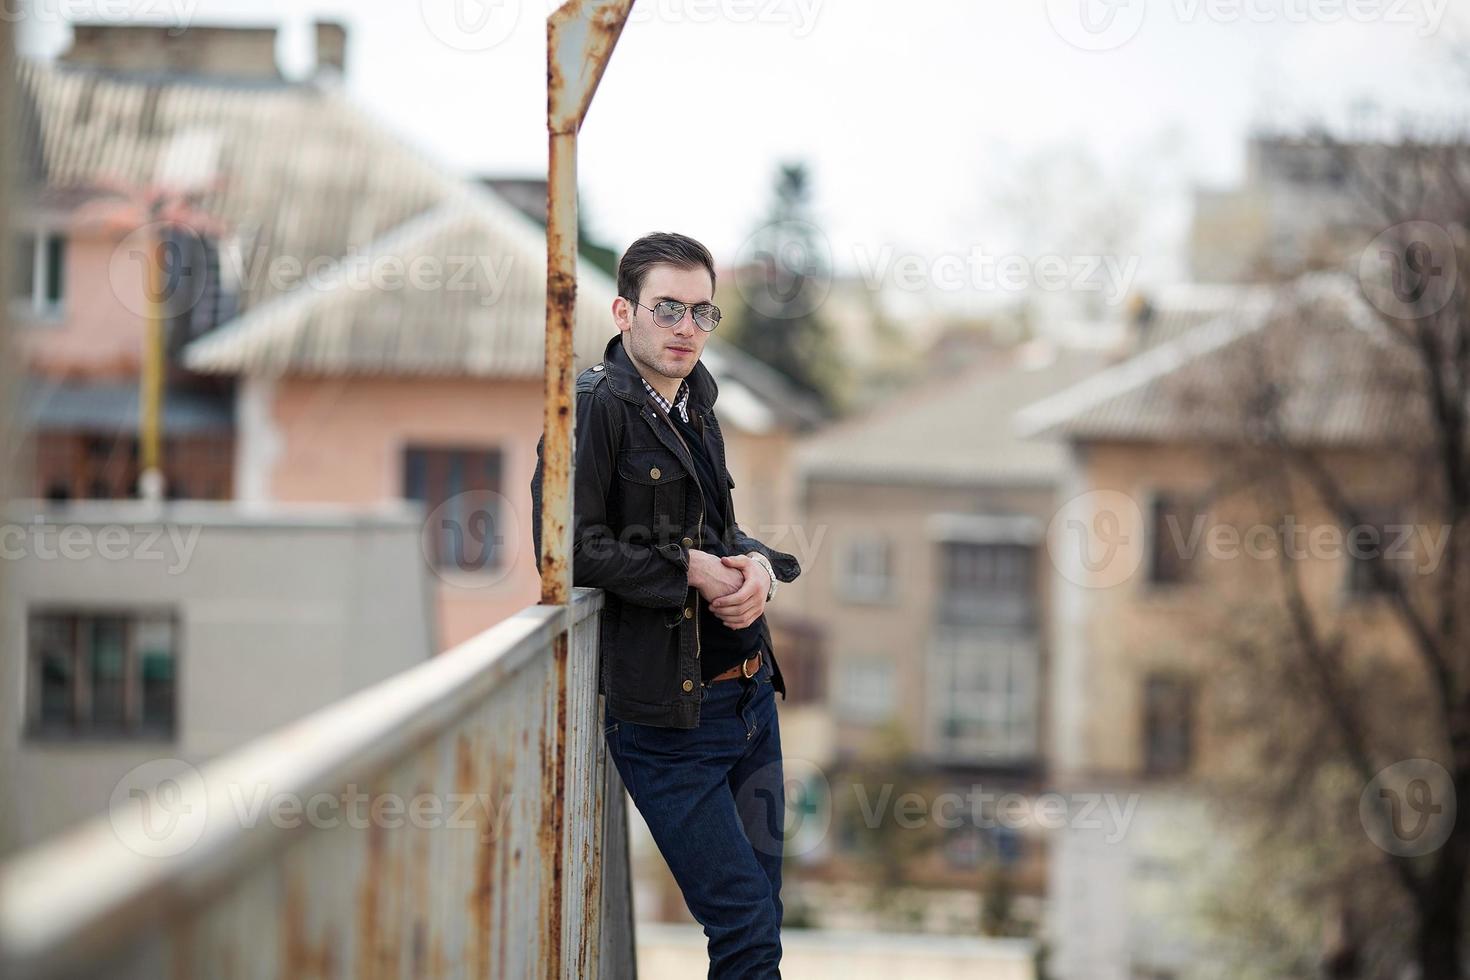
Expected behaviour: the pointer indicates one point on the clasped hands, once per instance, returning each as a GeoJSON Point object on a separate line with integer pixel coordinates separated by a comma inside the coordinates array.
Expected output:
{"type": "Point", "coordinates": [735, 587]}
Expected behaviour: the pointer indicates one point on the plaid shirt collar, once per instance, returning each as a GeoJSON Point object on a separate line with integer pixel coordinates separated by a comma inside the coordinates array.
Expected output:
{"type": "Point", "coordinates": [681, 398]}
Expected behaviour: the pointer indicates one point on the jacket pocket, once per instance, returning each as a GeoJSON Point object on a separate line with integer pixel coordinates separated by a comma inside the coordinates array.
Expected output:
{"type": "Point", "coordinates": [653, 487]}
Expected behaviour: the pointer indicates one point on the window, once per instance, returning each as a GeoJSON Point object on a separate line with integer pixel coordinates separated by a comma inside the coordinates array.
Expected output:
{"type": "Point", "coordinates": [983, 690]}
{"type": "Point", "coordinates": [1171, 539]}
{"type": "Point", "coordinates": [865, 688]}
{"type": "Point", "coordinates": [1376, 542]}
{"type": "Point", "coordinates": [987, 583]}
{"type": "Point", "coordinates": [39, 277]}
{"type": "Point", "coordinates": [102, 673]}
{"type": "Point", "coordinates": [1168, 724]}
{"type": "Point", "coordinates": [866, 572]}
{"type": "Point", "coordinates": [460, 491]}
{"type": "Point", "coordinates": [106, 466]}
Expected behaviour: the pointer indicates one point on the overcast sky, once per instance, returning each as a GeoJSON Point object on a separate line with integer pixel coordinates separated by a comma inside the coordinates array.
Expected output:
{"type": "Point", "coordinates": [912, 116]}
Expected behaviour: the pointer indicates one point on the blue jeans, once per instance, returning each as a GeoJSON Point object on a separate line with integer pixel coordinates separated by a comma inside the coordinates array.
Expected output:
{"type": "Point", "coordinates": [714, 799]}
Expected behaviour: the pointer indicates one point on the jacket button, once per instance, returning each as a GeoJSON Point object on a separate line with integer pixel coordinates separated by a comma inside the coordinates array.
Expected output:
{"type": "Point", "coordinates": [597, 367]}
{"type": "Point", "coordinates": [688, 613]}
{"type": "Point", "coordinates": [654, 473]}
{"type": "Point", "coordinates": [687, 542]}
{"type": "Point", "coordinates": [688, 685]}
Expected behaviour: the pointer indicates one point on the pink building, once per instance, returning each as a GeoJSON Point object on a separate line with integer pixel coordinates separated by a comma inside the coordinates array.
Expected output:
{"type": "Point", "coordinates": [348, 321]}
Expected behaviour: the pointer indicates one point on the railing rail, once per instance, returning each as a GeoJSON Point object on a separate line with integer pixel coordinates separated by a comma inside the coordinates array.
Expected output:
{"type": "Point", "coordinates": [400, 832]}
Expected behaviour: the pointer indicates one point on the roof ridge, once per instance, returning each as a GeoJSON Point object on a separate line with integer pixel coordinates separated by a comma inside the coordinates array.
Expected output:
{"type": "Point", "coordinates": [1036, 419]}
{"type": "Point", "coordinates": [1258, 308]}
{"type": "Point", "coordinates": [197, 353]}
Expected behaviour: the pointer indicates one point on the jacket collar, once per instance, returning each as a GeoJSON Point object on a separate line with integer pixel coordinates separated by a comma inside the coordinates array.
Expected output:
{"type": "Point", "coordinates": [627, 383]}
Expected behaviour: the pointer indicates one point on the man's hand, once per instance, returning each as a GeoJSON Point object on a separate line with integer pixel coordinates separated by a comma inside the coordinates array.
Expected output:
{"type": "Point", "coordinates": [711, 577]}
{"type": "Point", "coordinates": [744, 606]}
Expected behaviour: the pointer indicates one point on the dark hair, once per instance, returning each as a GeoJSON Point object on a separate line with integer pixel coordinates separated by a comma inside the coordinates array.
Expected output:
{"type": "Point", "coordinates": [660, 248]}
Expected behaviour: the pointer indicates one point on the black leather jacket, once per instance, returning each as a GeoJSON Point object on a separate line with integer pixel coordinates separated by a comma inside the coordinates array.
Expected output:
{"type": "Point", "coordinates": [638, 509]}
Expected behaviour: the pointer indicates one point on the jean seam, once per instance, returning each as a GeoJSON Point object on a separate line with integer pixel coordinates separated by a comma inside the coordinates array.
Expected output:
{"type": "Point", "coordinates": [627, 780]}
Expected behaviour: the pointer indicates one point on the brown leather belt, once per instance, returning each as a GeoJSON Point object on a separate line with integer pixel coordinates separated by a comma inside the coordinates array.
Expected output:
{"type": "Point", "coordinates": [746, 668]}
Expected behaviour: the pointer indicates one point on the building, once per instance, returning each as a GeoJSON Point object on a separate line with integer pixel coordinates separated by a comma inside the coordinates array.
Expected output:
{"type": "Point", "coordinates": [925, 516]}
{"type": "Point", "coordinates": [1302, 206]}
{"type": "Point", "coordinates": [136, 634]}
{"type": "Point", "coordinates": [348, 321]}
{"type": "Point", "coordinates": [1144, 609]}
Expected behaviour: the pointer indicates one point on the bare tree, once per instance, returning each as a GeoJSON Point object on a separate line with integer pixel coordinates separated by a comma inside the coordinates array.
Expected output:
{"type": "Point", "coordinates": [1347, 403]}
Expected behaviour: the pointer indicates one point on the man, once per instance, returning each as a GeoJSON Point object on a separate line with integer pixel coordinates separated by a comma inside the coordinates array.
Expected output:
{"type": "Point", "coordinates": [686, 665]}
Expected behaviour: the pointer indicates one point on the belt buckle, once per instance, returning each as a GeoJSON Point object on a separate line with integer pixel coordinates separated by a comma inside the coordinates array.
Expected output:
{"type": "Point", "coordinates": [744, 662]}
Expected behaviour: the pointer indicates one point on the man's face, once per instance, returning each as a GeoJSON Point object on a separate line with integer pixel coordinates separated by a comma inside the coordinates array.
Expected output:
{"type": "Point", "coordinates": [669, 351]}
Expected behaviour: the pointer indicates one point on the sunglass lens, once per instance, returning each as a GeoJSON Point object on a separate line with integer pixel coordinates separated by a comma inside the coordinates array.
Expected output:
{"type": "Point", "coordinates": [708, 317]}
{"type": "Point", "coordinates": [667, 313]}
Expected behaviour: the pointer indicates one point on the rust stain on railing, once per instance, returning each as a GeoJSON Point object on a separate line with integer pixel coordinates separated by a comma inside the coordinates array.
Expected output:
{"type": "Point", "coordinates": [388, 898]}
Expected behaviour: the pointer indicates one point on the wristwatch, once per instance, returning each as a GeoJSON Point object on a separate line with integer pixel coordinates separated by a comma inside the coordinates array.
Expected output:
{"type": "Point", "coordinates": [765, 563]}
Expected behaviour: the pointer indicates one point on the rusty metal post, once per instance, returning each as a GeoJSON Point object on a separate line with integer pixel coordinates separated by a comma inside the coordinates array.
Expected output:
{"type": "Point", "coordinates": [580, 36]}
{"type": "Point", "coordinates": [10, 435]}
{"type": "Point", "coordinates": [151, 379]}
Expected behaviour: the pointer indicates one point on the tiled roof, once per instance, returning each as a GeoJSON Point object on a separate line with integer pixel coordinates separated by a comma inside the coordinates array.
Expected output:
{"type": "Point", "coordinates": [485, 316]}
{"type": "Point", "coordinates": [301, 177]}
{"type": "Point", "coordinates": [1335, 375]}
{"type": "Point", "coordinates": [959, 430]}
{"type": "Point", "coordinates": [291, 170]}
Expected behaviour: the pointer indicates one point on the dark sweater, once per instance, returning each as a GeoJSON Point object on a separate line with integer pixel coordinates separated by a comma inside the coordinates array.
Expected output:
{"type": "Point", "coordinates": [720, 647]}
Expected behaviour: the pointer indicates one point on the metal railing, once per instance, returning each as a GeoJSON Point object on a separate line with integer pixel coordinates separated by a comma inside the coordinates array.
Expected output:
{"type": "Point", "coordinates": [405, 831]}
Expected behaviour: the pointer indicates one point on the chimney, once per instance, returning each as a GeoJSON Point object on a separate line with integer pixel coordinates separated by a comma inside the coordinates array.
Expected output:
{"type": "Point", "coordinates": [1137, 322]}
{"type": "Point", "coordinates": [331, 49]}
{"type": "Point", "coordinates": [225, 52]}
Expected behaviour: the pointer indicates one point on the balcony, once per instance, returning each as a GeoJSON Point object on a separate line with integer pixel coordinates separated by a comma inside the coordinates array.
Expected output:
{"type": "Point", "coordinates": [447, 821]}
